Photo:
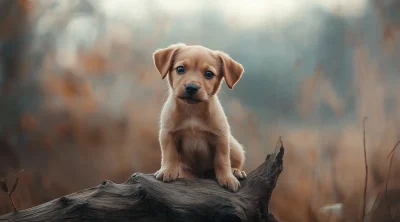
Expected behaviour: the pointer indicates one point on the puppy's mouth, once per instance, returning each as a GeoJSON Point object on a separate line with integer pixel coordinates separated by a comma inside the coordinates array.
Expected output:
{"type": "Point", "coordinates": [189, 100]}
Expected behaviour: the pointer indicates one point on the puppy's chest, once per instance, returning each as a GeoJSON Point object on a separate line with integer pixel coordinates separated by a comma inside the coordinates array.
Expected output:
{"type": "Point", "coordinates": [193, 133]}
{"type": "Point", "coordinates": [195, 145]}
{"type": "Point", "coordinates": [192, 125]}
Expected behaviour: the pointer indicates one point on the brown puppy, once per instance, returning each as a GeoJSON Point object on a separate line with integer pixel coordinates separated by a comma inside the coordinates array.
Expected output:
{"type": "Point", "coordinates": [194, 132]}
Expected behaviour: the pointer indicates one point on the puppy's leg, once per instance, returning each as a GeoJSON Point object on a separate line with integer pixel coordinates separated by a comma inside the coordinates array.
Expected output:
{"type": "Point", "coordinates": [222, 165]}
{"type": "Point", "coordinates": [169, 170]}
{"type": "Point", "coordinates": [237, 158]}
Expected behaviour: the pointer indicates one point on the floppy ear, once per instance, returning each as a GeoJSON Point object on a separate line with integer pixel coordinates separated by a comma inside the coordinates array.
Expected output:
{"type": "Point", "coordinates": [231, 69]}
{"type": "Point", "coordinates": [163, 58]}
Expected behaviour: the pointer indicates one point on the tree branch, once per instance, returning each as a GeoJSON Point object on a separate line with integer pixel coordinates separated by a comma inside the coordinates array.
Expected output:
{"type": "Point", "coordinates": [366, 173]}
{"type": "Point", "coordinates": [144, 198]}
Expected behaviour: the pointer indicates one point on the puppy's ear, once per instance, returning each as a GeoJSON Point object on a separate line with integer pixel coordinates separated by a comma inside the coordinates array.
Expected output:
{"type": "Point", "coordinates": [163, 58]}
{"type": "Point", "coordinates": [231, 69]}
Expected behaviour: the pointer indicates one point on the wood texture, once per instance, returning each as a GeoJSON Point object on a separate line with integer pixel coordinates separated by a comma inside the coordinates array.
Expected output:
{"type": "Point", "coordinates": [143, 198]}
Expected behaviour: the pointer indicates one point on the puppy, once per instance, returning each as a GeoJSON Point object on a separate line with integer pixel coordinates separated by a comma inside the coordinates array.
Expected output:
{"type": "Point", "coordinates": [194, 134]}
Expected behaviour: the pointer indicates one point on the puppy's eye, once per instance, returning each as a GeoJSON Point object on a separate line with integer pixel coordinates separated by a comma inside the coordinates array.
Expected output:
{"type": "Point", "coordinates": [209, 75]}
{"type": "Point", "coordinates": [180, 70]}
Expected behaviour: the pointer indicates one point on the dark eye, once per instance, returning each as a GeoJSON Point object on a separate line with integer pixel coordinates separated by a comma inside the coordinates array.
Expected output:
{"type": "Point", "coordinates": [180, 70]}
{"type": "Point", "coordinates": [209, 75]}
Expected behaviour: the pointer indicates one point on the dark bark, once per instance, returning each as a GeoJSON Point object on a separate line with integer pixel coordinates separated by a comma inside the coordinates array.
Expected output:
{"type": "Point", "coordinates": [143, 198]}
{"type": "Point", "coordinates": [14, 29]}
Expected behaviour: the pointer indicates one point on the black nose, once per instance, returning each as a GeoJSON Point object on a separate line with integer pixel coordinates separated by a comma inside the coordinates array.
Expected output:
{"type": "Point", "coordinates": [191, 88]}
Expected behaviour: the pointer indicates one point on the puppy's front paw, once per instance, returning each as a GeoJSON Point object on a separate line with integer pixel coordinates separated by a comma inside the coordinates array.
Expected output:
{"type": "Point", "coordinates": [167, 174]}
{"type": "Point", "coordinates": [229, 182]}
{"type": "Point", "coordinates": [239, 174]}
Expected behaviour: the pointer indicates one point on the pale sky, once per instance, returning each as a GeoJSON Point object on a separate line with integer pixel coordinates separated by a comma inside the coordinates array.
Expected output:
{"type": "Point", "coordinates": [245, 12]}
{"type": "Point", "coordinates": [240, 13]}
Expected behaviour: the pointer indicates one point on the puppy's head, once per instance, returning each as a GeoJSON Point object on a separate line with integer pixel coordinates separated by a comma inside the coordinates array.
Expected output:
{"type": "Point", "coordinates": [195, 73]}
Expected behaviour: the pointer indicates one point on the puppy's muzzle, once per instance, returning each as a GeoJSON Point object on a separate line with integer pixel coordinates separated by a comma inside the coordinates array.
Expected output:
{"type": "Point", "coordinates": [191, 89]}
{"type": "Point", "coordinates": [190, 92]}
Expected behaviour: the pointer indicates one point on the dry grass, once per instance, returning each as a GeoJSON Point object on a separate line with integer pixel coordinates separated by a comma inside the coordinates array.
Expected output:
{"type": "Point", "coordinates": [86, 128]}
{"type": "Point", "coordinates": [9, 193]}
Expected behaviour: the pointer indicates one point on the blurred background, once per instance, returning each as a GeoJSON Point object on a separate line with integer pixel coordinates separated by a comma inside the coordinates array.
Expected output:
{"type": "Point", "coordinates": [80, 98]}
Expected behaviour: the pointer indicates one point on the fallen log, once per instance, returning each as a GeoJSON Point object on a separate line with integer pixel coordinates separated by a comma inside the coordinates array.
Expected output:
{"type": "Point", "coordinates": [143, 198]}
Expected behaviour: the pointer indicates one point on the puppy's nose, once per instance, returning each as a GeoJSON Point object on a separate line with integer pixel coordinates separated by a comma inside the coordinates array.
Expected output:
{"type": "Point", "coordinates": [191, 88]}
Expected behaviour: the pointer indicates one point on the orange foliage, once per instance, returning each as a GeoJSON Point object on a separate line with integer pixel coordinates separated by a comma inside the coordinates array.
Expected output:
{"type": "Point", "coordinates": [79, 136]}
{"type": "Point", "coordinates": [28, 122]}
